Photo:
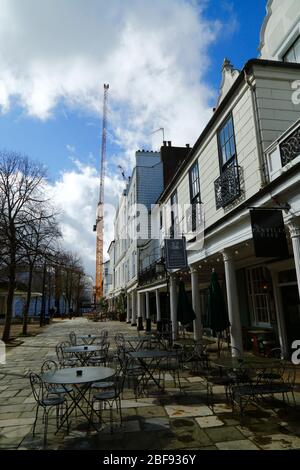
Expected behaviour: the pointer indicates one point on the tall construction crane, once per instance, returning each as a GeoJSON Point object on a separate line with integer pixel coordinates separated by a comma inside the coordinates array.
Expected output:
{"type": "Point", "coordinates": [98, 228]}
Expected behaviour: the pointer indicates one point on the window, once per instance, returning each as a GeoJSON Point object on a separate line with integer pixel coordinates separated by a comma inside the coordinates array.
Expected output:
{"type": "Point", "coordinates": [227, 151]}
{"type": "Point", "coordinates": [174, 213]}
{"type": "Point", "coordinates": [194, 183]}
{"type": "Point", "coordinates": [194, 193]}
{"type": "Point", "coordinates": [293, 54]}
{"type": "Point", "coordinates": [260, 296]}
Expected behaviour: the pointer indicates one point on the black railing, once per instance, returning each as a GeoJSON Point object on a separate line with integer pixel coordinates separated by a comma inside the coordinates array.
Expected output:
{"type": "Point", "coordinates": [290, 147]}
{"type": "Point", "coordinates": [152, 273]}
{"type": "Point", "coordinates": [227, 186]}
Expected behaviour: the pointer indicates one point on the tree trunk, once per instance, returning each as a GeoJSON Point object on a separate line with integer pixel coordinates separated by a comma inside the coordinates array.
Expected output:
{"type": "Point", "coordinates": [10, 299]}
{"type": "Point", "coordinates": [28, 300]}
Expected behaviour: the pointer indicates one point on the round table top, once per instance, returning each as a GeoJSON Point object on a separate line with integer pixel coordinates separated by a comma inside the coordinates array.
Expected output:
{"type": "Point", "coordinates": [149, 353]}
{"type": "Point", "coordinates": [69, 375]}
{"type": "Point", "coordinates": [79, 349]}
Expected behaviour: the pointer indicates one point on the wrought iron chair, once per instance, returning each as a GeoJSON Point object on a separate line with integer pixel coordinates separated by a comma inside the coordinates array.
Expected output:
{"type": "Point", "coordinates": [65, 359]}
{"type": "Point", "coordinates": [51, 366]}
{"type": "Point", "coordinates": [46, 402]}
{"type": "Point", "coordinates": [73, 338]}
{"type": "Point", "coordinates": [243, 394]}
{"type": "Point", "coordinates": [111, 398]}
{"type": "Point", "coordinates": [171, 365]}
{"type": "Point", "coordinates": [100, 357]}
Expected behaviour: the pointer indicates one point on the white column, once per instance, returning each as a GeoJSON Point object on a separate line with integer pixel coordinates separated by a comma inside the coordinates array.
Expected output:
{"type": "Point", "coordinates": [196, 304]}
{"type": "Point", "coordinates": [158, 313]}
{"type": "Point", "coordinates": [173, 305]}
{"type": "Point", "coordinates": [128, 309]}
{"type": "Point", "coordinates": [233, 302]}
{"type": "Point", "coordinates": [147, 305]}
{"type": "Point", "coordinates": [139, 305]}
{"type": "Point", "coordinates": [133, 307]}
{"type": "Point", "coordinates": [279, 315]}
{"type": "Point", "coordinates": [294, 227]}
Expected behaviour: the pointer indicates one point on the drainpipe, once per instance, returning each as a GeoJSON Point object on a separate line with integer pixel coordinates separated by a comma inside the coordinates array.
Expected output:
{"type": "Point", "coordinates": [262, 163]}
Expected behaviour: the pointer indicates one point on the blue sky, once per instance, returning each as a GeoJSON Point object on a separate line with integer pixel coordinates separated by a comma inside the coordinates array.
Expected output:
{"type": "Point", "coordinates": [163, 62]}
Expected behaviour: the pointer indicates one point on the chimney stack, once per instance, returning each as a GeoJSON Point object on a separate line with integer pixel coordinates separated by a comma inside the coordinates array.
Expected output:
{"type": "Point", "coordinates": [165, 143]}
{"type": "Point", "coordinates": [187, 146]}
{"type": "Point", "coordinates": [169, 143]}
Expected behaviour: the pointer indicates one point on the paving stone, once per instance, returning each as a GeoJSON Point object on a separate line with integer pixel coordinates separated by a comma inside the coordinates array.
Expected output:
{"type": "Point", "coordinates": [156, 424]}
{"type": "Point", "coordinates": [223, 434]}
{"type": "Point", "coordinates": [209, 422]}
{"type": "Point", "coordinates": [151, 411]}
{"type": "Point", "coordinates": [16, 422]}
{"type": "Point", "coordinates": [222, 408]}
{"type": "Point", "coordinates": [277, 442]}
{"type": "Point", "coordinates": [137, 404]}
{"type": "Point", "coordinates": [181, 411]}
{"type": "Point", "coordinates": [8, 394]}
{"type": "Point", "coordinates": [244, 444]}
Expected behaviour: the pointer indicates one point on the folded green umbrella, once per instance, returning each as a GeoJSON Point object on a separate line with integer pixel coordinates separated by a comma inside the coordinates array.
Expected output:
{"type": "Point", "coordinates": [185, 312]}
{"type": "Point", "coordinates": [216, 314]}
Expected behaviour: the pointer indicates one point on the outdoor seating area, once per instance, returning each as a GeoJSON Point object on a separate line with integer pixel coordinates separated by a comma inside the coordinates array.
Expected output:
{"type": "Point", "coordinates": [99, 387]}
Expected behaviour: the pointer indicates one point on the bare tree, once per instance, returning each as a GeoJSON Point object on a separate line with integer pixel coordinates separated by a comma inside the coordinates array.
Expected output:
{"type": "Point", "coordinates": [39, 246]}
{"type": "Point", "coordinates": [22, 197]}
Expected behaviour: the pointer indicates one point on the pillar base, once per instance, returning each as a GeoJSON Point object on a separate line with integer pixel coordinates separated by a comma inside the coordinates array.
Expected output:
{"type": "Point", "coordinates": [140, 324]}
{"type": "Point", "coordinates": [148, 324]}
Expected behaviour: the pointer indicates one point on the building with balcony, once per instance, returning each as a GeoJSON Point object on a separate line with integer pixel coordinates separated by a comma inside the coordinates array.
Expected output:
{"type": "Point", "coordinates": [246, 160]}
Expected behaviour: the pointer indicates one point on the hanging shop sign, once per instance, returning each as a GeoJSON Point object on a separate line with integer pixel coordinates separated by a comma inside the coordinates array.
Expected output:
{"type": "Point", "coordinates": [268, 231]}
{"type": "Point", "coordinates": [175, 250]}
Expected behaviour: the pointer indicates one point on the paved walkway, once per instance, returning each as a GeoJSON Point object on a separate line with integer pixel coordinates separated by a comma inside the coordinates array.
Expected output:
{"type": "Point", "coordinates": [174, 421]}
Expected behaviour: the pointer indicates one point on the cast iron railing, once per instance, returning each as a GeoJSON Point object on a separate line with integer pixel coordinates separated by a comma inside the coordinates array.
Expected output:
{"type": "Point", "coordinates": [290, 147]}
{"type": "Point", "coordinates": [227, 186]}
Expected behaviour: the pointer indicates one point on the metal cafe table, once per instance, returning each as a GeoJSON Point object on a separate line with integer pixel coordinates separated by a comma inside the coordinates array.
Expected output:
{"type": "Point", "coordinates": [146, 358]}
{"type": "Point", "coordinates": [82, 353]}
{"type": "Point", "coordinates": [247, 362]}
{"type": "Point", "coordinates": [81, 379]}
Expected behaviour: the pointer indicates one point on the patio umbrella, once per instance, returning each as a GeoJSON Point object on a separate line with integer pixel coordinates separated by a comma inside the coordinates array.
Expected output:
{"type": "Point", "coordinates": [185, 312]}
{"type": "Point", "coordinates": [216, 313]}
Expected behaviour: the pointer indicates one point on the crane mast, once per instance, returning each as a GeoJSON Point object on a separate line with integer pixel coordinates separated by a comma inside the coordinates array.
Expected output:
{"type": "Point", "coordinates": [100, 212]}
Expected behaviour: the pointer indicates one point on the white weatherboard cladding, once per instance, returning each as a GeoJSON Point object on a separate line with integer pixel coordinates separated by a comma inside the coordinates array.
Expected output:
{"type": "Point", "coordinates": [276, 109]}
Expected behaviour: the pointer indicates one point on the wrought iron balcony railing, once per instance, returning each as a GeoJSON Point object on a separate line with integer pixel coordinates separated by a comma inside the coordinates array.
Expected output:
{"type": "Point", "coordinates": [153, 272]}
{"type": "Point", "coordinates": [290, 147]}
{"type": "Point", "coordinates": [227, 186]}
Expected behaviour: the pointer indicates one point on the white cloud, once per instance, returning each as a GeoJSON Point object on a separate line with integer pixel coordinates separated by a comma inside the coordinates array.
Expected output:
{"type": "Point", "coordinates": [75, 193]}
{"type": "Point", "coordinates": [154, 55]}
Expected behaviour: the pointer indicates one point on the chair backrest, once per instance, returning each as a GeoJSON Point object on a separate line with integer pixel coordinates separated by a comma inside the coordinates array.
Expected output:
{"type": "Point", "coordinates": [104, 333]}
{"type": "Point", "coordinates": [73, 339]}
{"type": "Point", "coordinates": [119, 339]}
{"type": "Point", "coordinates": [49, 366]}
{"type": "Point", "coordinates": [37, 387]}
